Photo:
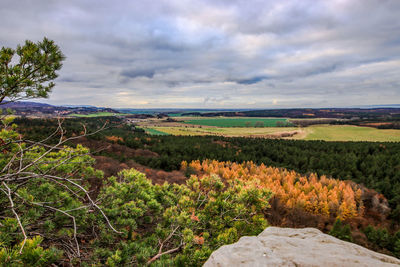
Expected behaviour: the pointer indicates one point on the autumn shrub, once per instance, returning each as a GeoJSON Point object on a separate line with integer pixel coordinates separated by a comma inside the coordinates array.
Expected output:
{"type": "Point", "coordinates": [114, 139]}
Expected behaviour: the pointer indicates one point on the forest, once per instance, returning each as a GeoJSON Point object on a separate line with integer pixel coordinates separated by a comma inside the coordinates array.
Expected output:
{"type": "Point", "coordinates": [373, 164]}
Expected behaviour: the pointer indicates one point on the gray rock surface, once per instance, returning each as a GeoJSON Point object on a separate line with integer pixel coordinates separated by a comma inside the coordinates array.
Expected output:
{"type": "Point", "coordinates": [277, 246]}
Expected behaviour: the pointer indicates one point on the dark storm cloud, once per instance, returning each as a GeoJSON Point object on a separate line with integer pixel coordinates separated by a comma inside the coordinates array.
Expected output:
{"type": "Point", "coordinates": [216, 53]}
{"type": "Point", "coordinates": [138, 73]}
{"type": "Point", "coordinates": [251, 80]}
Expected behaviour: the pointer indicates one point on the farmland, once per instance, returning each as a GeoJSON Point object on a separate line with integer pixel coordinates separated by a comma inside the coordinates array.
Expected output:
{"type": "Point", "coordinates": [314, 132]}
{"type": "Point", "coordinates": [238, 122]}
{"type": "Point", "coordinates": [349, 133]}
{"type": "Point", "coordinates": [226, 131]}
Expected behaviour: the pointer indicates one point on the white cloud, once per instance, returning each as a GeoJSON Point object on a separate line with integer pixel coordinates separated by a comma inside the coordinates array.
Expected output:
{"type": "Point", "coordinates": [177, 53]}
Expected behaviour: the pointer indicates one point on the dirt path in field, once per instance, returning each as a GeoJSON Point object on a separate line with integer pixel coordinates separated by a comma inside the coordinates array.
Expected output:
{"type": "Point", "coordinates": [301, 134]}
{"type": "Point", "coordinates": [285, 135]}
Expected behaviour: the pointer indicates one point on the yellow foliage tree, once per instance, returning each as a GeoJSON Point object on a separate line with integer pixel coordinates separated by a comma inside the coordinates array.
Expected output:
{"type": "Point", "coordinates": [324, 196]}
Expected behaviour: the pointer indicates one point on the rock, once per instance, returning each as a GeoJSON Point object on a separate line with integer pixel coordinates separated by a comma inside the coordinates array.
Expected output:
{"type": "Point", "coordinates": [277, 246]}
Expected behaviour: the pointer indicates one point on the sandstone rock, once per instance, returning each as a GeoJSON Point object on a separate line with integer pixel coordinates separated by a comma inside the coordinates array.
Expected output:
{"type": "Point", "coordinates": [296, 247]}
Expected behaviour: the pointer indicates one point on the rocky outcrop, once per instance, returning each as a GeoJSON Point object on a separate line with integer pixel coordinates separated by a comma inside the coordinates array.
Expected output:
{"type": "Point", "coordinates": [296, 247]}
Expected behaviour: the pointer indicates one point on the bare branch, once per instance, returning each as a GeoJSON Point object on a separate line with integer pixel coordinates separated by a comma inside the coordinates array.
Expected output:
{"type": "Point", "coordinates": [61, 142]}
{"type": "Point", "coordinates": [8, 193]}
{"type": "Point", "coordinates": [160, 252]}
{"type": "Point", "coordinates": [66, 214]}
{"type": "Point", "coordinates": [20, 169]}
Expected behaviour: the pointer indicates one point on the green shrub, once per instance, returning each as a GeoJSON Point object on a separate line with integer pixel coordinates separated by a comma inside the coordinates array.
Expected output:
{"type": "Point", "coordinates": [43, 191]}
{"type": "Point", "coordinates": [341, 231]}
{"type": "Point", "coordinates": [32, 254]}
{"type": "Point", "coordinates": [189, 220]}
{"type": "Point", "coordinates": [381, 238]}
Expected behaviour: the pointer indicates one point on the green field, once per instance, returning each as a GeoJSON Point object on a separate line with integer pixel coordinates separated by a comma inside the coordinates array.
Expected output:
{"type": "Point", "coordinates": [154, 131]}
{"type": "Point", "coordinates": [349, 133]}
{"type": "Point", "coordinates": [237, 122]}
{"type": "Point", "coordinates": [98, 114]}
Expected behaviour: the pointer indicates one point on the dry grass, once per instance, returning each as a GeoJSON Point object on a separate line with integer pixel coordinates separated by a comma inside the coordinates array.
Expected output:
{"type": "Point", "coordinates": [349, 133]}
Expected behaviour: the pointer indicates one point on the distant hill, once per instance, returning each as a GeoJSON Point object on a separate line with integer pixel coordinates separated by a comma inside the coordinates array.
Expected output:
{"type": "Point", "coordinates": [78, 106]}
{"type": "Point", "coordinates": [26, 108]}
{"type": "Point", "coordinates": [173, 110]}
{"type": "Point", "coordinates": [339, 113]}
{"type": "Point", "coordinates": [382, 106]}
{"type": "Point", "coordinates": [24, 104]}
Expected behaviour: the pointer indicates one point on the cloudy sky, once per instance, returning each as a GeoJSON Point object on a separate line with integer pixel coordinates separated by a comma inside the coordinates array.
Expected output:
{"type": "Point", "coordinates": [216, 53]}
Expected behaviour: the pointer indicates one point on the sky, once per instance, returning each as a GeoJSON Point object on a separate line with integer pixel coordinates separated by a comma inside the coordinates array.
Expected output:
{"type": "Point", "coordinates": [216, 53]}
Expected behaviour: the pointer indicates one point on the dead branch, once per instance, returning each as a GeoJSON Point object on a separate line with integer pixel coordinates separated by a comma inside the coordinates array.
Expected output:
{"type": "Point", "coordinates": [160, 252]}
{"type": "Point", "coordinates": [8, 193]}
{"type": "Point", "coordinates": [20, 169]}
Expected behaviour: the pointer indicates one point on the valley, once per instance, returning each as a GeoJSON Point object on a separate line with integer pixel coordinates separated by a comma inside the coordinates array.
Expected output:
{"type": "Point", "coordinates": [312, 183]}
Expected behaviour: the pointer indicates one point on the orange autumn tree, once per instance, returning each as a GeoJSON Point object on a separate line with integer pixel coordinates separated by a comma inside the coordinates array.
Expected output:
{"type": "Point", "coordinates": [114, 138]}
{"type": "Point", "coordinates": [324, 196]}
